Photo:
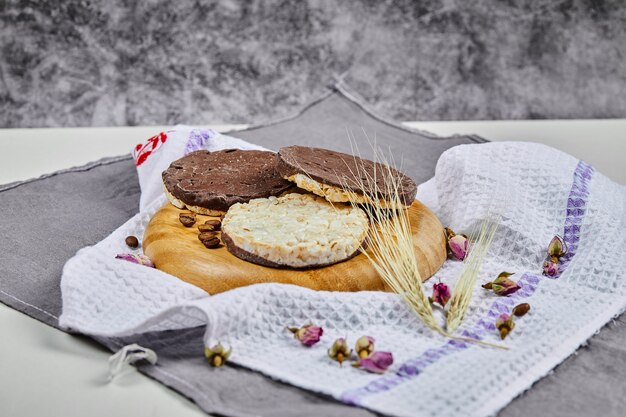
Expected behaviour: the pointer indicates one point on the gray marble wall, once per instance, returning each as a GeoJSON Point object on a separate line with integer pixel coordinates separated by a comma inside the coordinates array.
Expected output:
{"type": "Point", "coordinates": [124, 62]}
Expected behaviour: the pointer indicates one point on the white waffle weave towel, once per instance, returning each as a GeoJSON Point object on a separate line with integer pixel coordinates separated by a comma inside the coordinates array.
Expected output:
{"type": "Point", "coordinates": [545, 191]}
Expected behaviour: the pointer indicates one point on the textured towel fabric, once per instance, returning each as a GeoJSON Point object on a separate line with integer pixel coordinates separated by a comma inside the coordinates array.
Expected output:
{"type": "Point", "coordinates": [94, 199]}
{"type": "Point", "coordinates": [538, 191]}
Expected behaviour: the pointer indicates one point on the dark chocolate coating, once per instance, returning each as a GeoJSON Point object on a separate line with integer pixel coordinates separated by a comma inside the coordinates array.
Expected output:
{"type": "Point", "coordinates": [255, 259]}
{"type": "Point", "coordinates": [339, 170]}
{"type": "Point", "coordinates": [217, 180]}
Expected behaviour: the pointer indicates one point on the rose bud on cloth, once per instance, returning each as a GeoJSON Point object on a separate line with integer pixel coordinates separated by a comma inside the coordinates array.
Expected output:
{"type": "Point", "coordinates": [502, 285]}
{"type": "Point", "coordinates": [339, 350]}
{"type": "Point", "coordinates": [457, 244]}
{"type": "Point", "coordinates": [550, 268]}
{"type": "Point", "coordinates": [308, 334]}
{"type": "Point", "coordinates": [557, 247]}
{"type": "Point", "coordinates": [364, 346]}
{"type": "Point", "coordinates": [441, 294]}
{"type": "Point", "coordinates": [136, 259]}
{"type": "Point", "coordinates": [217, 355]}
{"type": "Point", "coordinates": [377, 362]}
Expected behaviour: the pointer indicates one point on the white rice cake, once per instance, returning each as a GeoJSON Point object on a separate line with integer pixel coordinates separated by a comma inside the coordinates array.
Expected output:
{"type": "Point", "coordinates": [295, 230]}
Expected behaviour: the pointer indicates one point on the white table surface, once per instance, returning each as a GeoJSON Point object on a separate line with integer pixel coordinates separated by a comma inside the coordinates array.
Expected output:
{"type": "Point", "coordinates": [45, 372]}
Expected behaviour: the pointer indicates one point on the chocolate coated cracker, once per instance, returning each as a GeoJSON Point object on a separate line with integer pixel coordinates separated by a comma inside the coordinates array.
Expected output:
{"type": "Point", "coordinates": [339, 170]}
{"type": "Point", "coordinates": [217, 180]}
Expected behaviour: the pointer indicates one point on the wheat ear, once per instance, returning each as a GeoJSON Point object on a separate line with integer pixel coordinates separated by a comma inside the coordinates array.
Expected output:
{"type": "Point", "coordinates": [464, 287]}
{"type": "Point", "coordinates": [392, 252]}
{"type": "Point", "coordinates": [390, 242]}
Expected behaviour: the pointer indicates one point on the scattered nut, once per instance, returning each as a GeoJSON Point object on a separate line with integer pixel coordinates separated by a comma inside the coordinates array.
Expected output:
{"type": "Point", "coordinates": [207, 235]}
{"type": "Point", "coordinates": [210, 240]}
{"type": "Point", "coordinates": [521, 309]}
{"type": "Point", "coordinates": [216, 224]}
{"type": "Point", "coordinates": [132, 242]}
{"type": "Point", "coordinates": [187, 219]}
{"type": "Point", "coordinates": [205, 228]}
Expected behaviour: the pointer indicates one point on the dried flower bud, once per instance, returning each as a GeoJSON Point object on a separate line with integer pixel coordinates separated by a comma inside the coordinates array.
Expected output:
{"type": "Point", "coordinates": [136, 259]}
{"type": "Point", "coordinates": [504, 324]}
{"type": "Point", "coordinates": [339, 350]}
{"type": "Point", "coordinates": [441, 294]}
{"type": "Point", "coordinates": [557, 247]}
{"type": "Point", "coordinates": [377, 362]}
{"type": "Point", "coordinates": [457, 244]}
{"type": "Point", "coordinates": [502, 285]}
{"type": "Point", "coordinates": [364, 346]}
{"type": "Point", "coordinates": [308, 335]}
{"type": "Point", "coordinates": [521, 309]}
{"type": "Point", "coordinates": [550, 268]}
{"type": "Point", "coordinates": [217, 355]}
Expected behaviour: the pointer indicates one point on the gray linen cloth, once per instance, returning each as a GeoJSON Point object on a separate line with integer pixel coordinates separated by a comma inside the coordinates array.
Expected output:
{"type": "Point", "coordinates": [44, 221]}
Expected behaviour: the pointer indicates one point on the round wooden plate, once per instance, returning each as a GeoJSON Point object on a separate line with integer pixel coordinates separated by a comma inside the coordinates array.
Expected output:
{"type": "Point", "coordinates": [175, 249]}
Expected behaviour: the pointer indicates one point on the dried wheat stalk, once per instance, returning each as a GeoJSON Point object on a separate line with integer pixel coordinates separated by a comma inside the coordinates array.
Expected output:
{"type": "Point", "coordinates": [392, 253]}
{"type": "Point", "coordinates": [464, 287]}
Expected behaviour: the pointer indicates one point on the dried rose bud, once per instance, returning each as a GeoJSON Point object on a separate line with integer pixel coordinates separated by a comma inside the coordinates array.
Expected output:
{"type": "Point", "coordinates": [339, 350]}
{"type": "Point", "coordinates": [364, 346]}
{"type": "Point", "coordinates": [308, 335]}
{"type": "Point", "coordinates": [557, 247]}
{"type": "Point", "coordinates": [187, 219]}
{"type": "Point", "coordinates": [521, 309]}
{"type": "Point", "coordinates": [502, 285]}
{"type": "Point", "coordinates": [457, 244]}
{"type": "Point", "coordinates": [377, 362]}
{"type": "Point", "coordinates": [441, 294]}
{"type": "Point", "coordinates": [217, 355]}
{"type": "Point", "coordinates": [504, 324]}
{"type": "Point", "coordinates": [550, 268]}
{"type": "Point", "coordinates": [136, 259]}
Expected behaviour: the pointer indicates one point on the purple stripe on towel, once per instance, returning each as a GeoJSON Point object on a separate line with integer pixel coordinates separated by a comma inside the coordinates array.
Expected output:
{"type": "Point", "coordinates": [198, 139]}
{"type": "Point", "coordinates": [576, 205]}
{"type": "Point", "coordinates": [576, 209]}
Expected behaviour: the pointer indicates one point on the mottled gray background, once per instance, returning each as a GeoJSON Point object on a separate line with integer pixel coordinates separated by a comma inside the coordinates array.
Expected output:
{"type": "Point", "coordinates": [122, 62]}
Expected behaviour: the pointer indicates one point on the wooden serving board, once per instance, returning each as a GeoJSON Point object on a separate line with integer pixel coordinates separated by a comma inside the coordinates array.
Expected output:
{"type": "Point", "coordinates": [175, 249]}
